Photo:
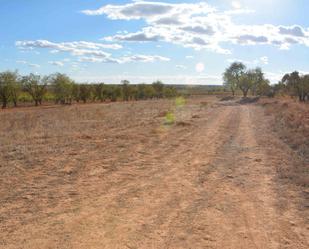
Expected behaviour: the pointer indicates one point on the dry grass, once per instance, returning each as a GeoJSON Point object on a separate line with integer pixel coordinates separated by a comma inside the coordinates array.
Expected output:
{"type": "Point", "coordinates": [291, 122]}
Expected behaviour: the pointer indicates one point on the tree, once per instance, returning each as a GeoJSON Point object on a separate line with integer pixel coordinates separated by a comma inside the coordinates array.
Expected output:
{"type": "Point", "coordinates": [4, 89]}
{"type": "Point", "coordinates": [232, 75]}
{"type": "Point", "coordinates": [9, 88]}
{"type": "Point", "coordinates": [16, 88]}
{"type": "Point", "coordinates": [169, 92]}
{"type": "Point", "coordinates": [245, 83]}
{"type": "Point", "coordinates": [62, 88]}
{"type": "Point", "coordinates": [126, 90]}
{"type": "Point", "coordinates": [85, 92]}
{"type": "Point", "coordinates": [258, 80]}
{"type": "Point", "coordinates": [100, 92]}
{"type": "Point", "coordinates": [264, 88]}
{"type": "Point", "coordinates": [113, 92]}
{"type": "Point", "coordinates": [297, 85]}
{"type": "Point", "coordinates": [293, 82]}
{"type": "Point", "coordinates": [158, 87]}
{"type": "Point", "coordinates": [305, 87]}
{"type": "Point", "coordinates": [36, 86]}
{"type": "Point", "coordinates": [76, 92]}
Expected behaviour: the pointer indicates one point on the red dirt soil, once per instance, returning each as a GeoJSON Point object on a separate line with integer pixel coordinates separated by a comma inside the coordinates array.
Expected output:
{"type": "Point", "coordinates": [114, 176]}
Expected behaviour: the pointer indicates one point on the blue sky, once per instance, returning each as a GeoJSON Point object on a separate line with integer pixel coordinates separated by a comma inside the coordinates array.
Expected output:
{"type": "Point", "coordinates": [184, 42]}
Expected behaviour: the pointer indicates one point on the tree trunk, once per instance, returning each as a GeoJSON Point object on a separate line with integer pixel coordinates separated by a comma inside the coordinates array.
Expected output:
{"type": "Point", "coordinates": [4, 103]}
{"type": "Point", "coordinates": [245, 92]}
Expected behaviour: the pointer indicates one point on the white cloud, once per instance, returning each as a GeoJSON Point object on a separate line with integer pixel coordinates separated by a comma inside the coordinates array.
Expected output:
{"type": "Point", "coordinates": [264, 60]}
{"type": "Point", "coordinates": [182, 67]}
{"type": "Point", "coordinates": [274, 77]}
{"type": "Point", "coordinates": [125, 59]}
{"type": "Point", "coordinates": [148, 10]}
{"type": "Point", "coordinates": [28, 63]}
{"type": "Point", "coordinates": [56, 63]}
{"type": "Point", "coordinates": [143, 58]}
{"type": "Point", "coordinates": [66, 46]}
{"type": "Point", "coordinates": [261, 61]}
{"type": "Point", "coordinates": [34, 65]}
{"type": "Point", "coordinates": [236, 4]}
{"type": "Point", "coordinates": [198, 26]}
{"type": "Point", "coordinates": [88, 52]}
{"type": "Point", "coordinates": [22, 62]}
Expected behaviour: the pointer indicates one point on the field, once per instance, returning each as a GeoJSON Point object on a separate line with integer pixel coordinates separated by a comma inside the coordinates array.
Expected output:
{"type": "Point", "coordinates": [153, 174]}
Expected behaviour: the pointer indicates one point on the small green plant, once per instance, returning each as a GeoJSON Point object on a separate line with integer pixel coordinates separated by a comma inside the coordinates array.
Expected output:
{"type": "Point", "coordinates": [180, 101]}
{"type": "Point", "coordinates": [169, 118]}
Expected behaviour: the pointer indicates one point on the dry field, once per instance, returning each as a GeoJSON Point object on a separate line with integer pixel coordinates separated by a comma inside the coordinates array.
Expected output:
{"type": "Point", "coordinates": [118, 176]}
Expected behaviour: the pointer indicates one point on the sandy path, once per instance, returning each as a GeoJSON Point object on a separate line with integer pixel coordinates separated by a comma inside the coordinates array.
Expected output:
{"type": "Point", "coordinates": [211, 184]}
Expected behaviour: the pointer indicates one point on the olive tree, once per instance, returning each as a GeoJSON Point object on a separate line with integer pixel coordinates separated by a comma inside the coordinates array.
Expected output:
{"type": "Point", "coordinates": [62, 87]}
{"type": "Point", "coordinates": [36, 86]}
{"type": "Point", "coordinates": [126, 90]}
{"type": "Point", "coordinates": [85, 92]}
{"type": "Point", "coordinates": [76, 92]}
{"type": "Point", "coordinates": [100, 92]}
{"type": "Point", "coordinates": [158, 87]}
{"type": "Point", "coordinates": [245, 83]}
{"type": "Point", "coordinates": [232, 76]}
{"type": "Point", "coordinates": [305, 83]}
{"type": "Point", "coordinates": [9, 87]}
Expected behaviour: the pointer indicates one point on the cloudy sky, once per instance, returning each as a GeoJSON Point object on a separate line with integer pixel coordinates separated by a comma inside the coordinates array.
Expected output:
{"type": "Point", "coordinates": [185, 42]}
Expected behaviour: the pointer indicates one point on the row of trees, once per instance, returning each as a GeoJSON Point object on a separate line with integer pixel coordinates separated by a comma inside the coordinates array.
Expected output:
{"type": "Point", "coordinates": [63, 90]}
{"type": "Point", "coordinates": [238, 77]}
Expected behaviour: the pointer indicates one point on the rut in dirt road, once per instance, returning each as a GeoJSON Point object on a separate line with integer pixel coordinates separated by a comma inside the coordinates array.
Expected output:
{"type": "Point", "coordinates": [210, 184]}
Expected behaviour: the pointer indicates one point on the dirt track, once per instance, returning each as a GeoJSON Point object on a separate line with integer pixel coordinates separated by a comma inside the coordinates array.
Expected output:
{"type": "Point", "coordinates": [208, 181]}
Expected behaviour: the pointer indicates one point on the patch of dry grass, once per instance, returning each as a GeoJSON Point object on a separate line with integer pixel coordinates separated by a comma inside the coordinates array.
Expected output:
{"type": "Point", "coordinates": [291, 122]}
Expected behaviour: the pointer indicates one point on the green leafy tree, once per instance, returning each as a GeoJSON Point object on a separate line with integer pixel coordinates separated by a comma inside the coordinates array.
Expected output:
{"type": "Point", "coordinates": [9, 88]}
{"type": "Point", "coordinates": [257, 81]}
{"type": "Point", "coordinates": [113, 92]}
{"type": "Point", "coordinates": [169, 92]}
{"type": "Point", "coordinates": [264, 88]}
{"type": "Point", "coordinates": [85, 92]}
{"type": "Point", "coordinates": [245, 83]}
{"type": "Point", "coordinates": [100, 92]}
{"type": "Point", "coordinates": [296, 85]}
{"type": "Point", "coordinates": [232, 76]}
{"type": "Point", "coordinates": [158, 87]}
{"type": "Point", "coordinates": [150, 92]}
{"type": "Point", "coordinates": [126, 90]}
{"type": "Point", "coordinates": [36, 86]}
{"type": "Point", "coordinates": [304, 87]}
{"type": "Point", "coordinates": [76, 92]}
{"type": "Point", "coordinates": [62, 87]}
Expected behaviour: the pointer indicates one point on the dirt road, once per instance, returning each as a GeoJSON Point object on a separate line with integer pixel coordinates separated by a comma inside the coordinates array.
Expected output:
{"type": "Point", "coordinates": [208, 181]}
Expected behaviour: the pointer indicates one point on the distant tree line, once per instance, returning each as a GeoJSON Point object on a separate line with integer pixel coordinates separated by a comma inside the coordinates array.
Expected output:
{"type": "Point", "coordinates": [59, 88]}
{"type": "Point", "coordinates": [238, 77]}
